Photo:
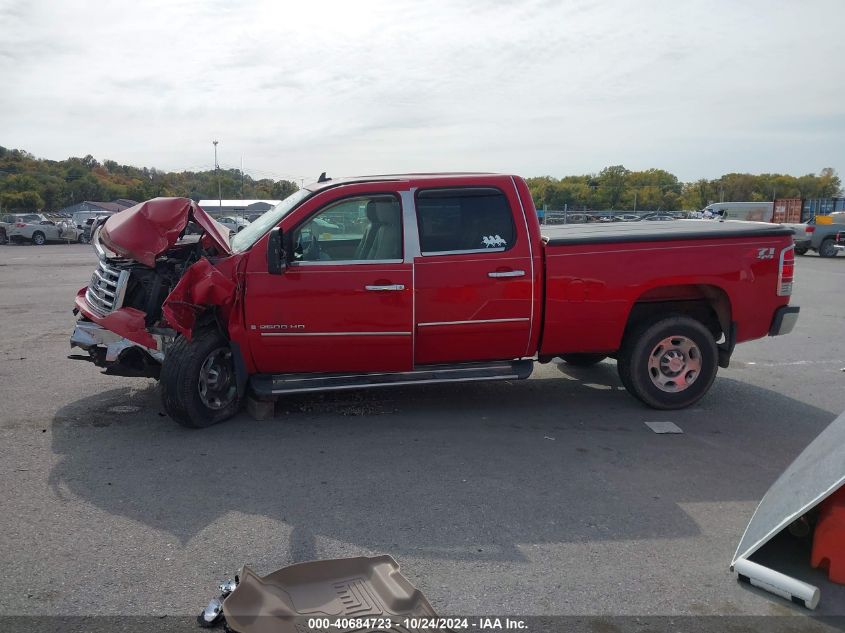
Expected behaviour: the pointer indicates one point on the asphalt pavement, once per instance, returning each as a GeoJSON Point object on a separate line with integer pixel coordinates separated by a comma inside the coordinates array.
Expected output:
{"type": "Point", "coordinates": [544, 497]}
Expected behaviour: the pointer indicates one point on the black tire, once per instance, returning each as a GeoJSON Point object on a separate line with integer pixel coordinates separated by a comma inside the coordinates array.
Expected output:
{"type": "Point", "coordinates": [640, 347]}
{"type": "Point", "coordinates": [801, 250]}
{"type": "Point", "coordinates": [39, 239]}
{"type": "Point", "coordinates": [583, 360]}
{"type": "Point", "coordinates": [181, 381]}
{"type": "Point", "coordinates": [827, 248]}
{"type": "Point", "coordinates": [80, 239]}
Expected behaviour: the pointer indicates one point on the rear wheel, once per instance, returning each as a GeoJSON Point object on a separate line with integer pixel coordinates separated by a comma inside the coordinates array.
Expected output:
{"type": "Point", "coordinates": [670, 363]}
{"type": "Point", "coordinates": [801, 250]}
{"type": "Point", "coordinates": [38, 238]}
{"type": "Point", "coordinates": [827, 248]}
{"type": "Point", "coordinates": [583, 360]}
{"type": "Point", "coordinates": [198, 385]}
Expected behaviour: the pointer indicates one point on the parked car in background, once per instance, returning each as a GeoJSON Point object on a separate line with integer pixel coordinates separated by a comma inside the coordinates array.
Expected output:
{"type": "Point", "coordinates": [626, 217]}
{"type": "Point", "coordinates": [750, 211]}
{"type": "Point", "coordinates": [234, 224]}
{"type": "Point", "coordinates": [38, 229]}
{"type": "Point", "coordinates": [90, 224]}
{"type": "Point", "coordinates": [6, 222]}
{"type": "Point", "coordinates": [820, 235]}
{"type": "Point", "coordinates": [658, 217]}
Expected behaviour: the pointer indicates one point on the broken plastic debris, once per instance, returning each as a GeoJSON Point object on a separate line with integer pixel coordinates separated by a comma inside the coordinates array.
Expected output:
{"type": "Point", "coordinates": [212, 614]}
{"type": "Point", "coordinates": [228, 586]}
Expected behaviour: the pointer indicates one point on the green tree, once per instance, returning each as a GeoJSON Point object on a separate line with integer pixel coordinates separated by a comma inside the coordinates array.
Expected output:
{"type": "Point", "coordinates": [21, 201]}
{"type": "Point", "coordinates": [612, 182]}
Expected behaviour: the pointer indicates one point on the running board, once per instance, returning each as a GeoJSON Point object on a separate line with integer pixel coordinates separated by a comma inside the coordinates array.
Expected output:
{"type": "Point", "coordinates": [266, 385]}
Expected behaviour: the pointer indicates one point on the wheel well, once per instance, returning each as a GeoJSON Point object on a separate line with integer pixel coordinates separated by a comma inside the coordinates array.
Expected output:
{"type": "Point", "coordinates": [707, 304]}
{"type": "Point", "coordinates": [210, 319]}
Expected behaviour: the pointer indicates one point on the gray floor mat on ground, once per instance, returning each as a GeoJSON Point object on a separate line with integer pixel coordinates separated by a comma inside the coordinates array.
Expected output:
{"type": "Point", "coordinates": [345, 588]}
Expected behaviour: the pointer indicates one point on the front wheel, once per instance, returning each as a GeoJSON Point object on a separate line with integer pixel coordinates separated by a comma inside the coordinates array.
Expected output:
{"type": "Point", "coordinates": [827, 248]}
{"type": "Point", "coordinates": [198, 384]}
{"type": "Point", "coordinates": [670, 363]}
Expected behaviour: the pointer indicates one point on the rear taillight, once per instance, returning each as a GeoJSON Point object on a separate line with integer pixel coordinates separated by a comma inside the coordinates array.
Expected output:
{"type": "Point", "coordinates": [810, 229]}
{"type": "Point", "coordinates": [786, 271]}
{"type": "Point", "coordinates": [20, 225]}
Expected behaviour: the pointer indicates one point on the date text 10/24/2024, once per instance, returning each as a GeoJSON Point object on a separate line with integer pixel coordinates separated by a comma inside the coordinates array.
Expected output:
{"type": "Point", "coordinates": [419, 624]}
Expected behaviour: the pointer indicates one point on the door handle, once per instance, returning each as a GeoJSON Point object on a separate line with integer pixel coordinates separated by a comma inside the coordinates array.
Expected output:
{"type": "Point", "coordinates": [393, 287]}
{"type": "Point", "coordinates": [508, 273]}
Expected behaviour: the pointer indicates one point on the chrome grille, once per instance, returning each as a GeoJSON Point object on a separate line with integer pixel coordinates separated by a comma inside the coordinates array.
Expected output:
{"type": "Point", "coordinates": [105, 292]}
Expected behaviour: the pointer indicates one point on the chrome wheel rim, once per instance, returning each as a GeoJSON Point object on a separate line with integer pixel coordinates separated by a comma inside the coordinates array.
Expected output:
{"type": "Point", "coordinates": [674, 364]}
{"type": "Point", "coordinates": [216, 383]}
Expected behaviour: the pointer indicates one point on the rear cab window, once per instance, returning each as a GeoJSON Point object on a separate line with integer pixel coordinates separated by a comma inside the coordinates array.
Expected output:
{"type": "Point", "coordinates": [464, 220]}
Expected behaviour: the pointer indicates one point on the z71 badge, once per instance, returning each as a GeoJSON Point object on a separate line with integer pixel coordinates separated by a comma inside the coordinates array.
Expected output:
{"type": "Point", "coordinates": [765, 253]}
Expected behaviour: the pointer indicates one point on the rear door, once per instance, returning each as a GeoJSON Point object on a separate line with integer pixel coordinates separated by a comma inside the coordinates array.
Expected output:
{"type": "Point", "coordinates": [473, 276]}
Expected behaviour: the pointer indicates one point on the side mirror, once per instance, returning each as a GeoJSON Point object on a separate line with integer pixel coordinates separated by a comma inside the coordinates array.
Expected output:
{"type": "Point", "coordinates": [276, 257]}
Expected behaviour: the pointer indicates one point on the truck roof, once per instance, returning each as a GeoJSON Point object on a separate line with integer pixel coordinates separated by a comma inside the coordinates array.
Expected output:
{"type": "Point", "coordinates": [658, 231]}
{"type": "Point", "coordinates": [407, 177]}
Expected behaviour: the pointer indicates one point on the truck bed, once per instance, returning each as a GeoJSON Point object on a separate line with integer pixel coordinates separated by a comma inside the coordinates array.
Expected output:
{"type": "Point", "coordinates": [572, 234]}
{"type": "Point", "coordinates": [596, 273]}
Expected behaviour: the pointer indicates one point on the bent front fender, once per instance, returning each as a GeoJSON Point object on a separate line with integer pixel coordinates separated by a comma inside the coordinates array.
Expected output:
{"type": "Point", "coordinates": [201, 287]}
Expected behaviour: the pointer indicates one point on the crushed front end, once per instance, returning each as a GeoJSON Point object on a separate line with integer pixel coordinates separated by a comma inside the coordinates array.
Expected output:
{"type": "Point", "coordinates": [142, 253]}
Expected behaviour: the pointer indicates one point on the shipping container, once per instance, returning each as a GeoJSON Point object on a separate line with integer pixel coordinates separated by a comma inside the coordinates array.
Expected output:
{"type": "Point", "coordinates": [787, 210]}
{"type": "Point", "coordinates": [822, 206]}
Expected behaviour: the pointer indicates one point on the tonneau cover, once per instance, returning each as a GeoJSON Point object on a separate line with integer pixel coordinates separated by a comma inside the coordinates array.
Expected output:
{"type": "Point", "coordinates": [647, 231]}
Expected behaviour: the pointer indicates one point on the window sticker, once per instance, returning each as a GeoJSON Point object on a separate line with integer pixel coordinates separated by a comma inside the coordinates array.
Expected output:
{"type": "Point", "coordinates": [493, 241]}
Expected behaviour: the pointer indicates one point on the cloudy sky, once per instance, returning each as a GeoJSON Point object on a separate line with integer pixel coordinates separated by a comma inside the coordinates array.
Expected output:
{"type": "Point", "coordinates": [532, 87]}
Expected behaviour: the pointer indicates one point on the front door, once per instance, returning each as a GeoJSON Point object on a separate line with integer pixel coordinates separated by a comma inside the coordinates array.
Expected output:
{"type": "Point", "coordinates": [473, 278]}
{"type": "Point", "coordinates": [345, 304]}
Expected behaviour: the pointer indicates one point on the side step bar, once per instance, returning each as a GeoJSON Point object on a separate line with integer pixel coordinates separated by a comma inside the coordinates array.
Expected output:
{"type": "Point", "coordinates": [266, 385]}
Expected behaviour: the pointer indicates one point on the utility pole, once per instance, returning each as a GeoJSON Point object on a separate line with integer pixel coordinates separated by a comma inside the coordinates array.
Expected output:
{"type": "Point", "coordinates": [217, 173]}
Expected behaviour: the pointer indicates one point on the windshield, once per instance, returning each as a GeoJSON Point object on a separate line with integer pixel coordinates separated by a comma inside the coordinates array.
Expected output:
{"type": "Point", "coordinates": [253, 232]}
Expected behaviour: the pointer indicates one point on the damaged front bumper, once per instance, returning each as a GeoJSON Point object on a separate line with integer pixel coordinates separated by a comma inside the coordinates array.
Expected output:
{"type": "Point", "coordinates": [116, 354]}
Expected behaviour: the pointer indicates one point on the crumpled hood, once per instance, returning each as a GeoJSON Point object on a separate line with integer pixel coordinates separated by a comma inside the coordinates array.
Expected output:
{"type": "Point", "coordinates": [147, 230]}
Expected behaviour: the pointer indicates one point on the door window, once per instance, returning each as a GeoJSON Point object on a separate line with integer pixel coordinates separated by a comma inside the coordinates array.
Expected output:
{"type": "Point", "coordinates": [469, 220]}
{"type": "Point", "coordinates": [360, 229]}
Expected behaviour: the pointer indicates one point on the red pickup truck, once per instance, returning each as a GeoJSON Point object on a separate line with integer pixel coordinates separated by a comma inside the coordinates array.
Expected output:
{"type": "Point", "coordinates": [421, 278]}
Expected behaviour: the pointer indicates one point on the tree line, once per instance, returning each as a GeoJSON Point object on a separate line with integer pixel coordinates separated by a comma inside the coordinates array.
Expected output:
{"type": "Point", "coordinates": [616, 187]}
{"type": "Point", "coordinates": [28, 183]}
